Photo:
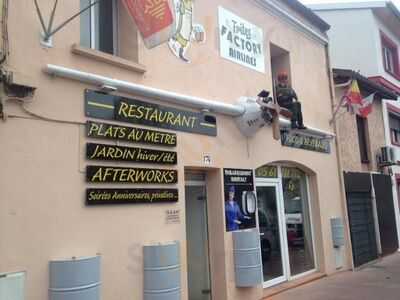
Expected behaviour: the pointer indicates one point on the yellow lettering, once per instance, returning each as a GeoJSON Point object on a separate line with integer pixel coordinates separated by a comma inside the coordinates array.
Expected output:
{"type": "Point", "coordinates": [123, 109]}
{"type": "Point", "coordinates": [98, 176]}
{"type": "Point", "coordinates": [94, 128]}
{"type": "Point", "coordinates": [130, 176]}
{"type": "Point", "coordinates": [193, 121]}
{"type": "Point", "coordinates": [154, 116]}
{"type": "Point", "coordinates": [169, 117]}
{"type": "Point", "coordinates": [140, 111]}
{"type": "Point", "coordinates": [124, 175]}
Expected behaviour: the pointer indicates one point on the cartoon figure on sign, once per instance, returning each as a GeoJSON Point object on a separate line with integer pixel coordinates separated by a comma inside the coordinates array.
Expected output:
{"type": "Point", "coordinates": [186, 31]}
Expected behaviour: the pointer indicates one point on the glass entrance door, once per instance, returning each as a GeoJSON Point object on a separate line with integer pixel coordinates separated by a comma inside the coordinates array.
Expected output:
{"type": "Point", "coordinates": [271, 233]}
{"type": "Point", "coordinates": [285, 224]}
{"type": "Point", "coordinates": [197, 243]}
{"type": "Point", "coordinates": [298, 221]}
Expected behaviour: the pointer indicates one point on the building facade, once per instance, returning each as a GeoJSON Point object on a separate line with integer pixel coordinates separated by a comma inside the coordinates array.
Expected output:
{"type": "Point", "coordinates": [98, 131]}
{"type": "Point", "coordinates": [372, 211]}
{"type": "Point", "coordinates": [365, 37]}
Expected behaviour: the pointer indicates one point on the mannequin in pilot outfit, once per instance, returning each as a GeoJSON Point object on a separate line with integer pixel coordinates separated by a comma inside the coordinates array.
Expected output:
{"type": "Point", "coordinates": [287, 98]}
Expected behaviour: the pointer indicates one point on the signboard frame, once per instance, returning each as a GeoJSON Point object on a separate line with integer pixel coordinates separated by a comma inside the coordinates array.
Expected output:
{"type": "Point", "coordinates": [133, 111]}
{"type": "Point", "coordinates": [110, 196]}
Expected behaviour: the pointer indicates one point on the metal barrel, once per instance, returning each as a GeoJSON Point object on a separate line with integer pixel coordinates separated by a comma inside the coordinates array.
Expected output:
{"type": "Point", "coordinates": [75, 279]}
{"type": "Point", "coordinates": [337, 228]}
{"type": "Point", "coordinates": [247, 256]}
{"type": "Point", "coordinates": [162, 272]}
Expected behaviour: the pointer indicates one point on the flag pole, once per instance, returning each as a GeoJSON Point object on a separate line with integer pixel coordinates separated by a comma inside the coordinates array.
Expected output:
{"type": "Point", "coordinates": [341, 102]}
{"type": "Point", "coordinates": [337, 110]}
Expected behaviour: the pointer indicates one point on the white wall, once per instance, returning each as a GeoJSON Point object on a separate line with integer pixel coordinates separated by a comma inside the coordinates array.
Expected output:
{"type": "Point", "coordinates": [352, 40]}
{"type": "Point", "coordinates": [381, 26]}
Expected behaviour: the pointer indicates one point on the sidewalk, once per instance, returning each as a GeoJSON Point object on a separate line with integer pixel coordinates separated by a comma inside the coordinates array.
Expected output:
{"type": "Point", "coordinates": [380, 281]}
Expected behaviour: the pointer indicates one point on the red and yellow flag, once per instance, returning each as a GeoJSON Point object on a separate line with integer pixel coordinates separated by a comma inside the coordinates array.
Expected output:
{"type": "Point", "coordinates": [356, 103]}
{"type": "Point", "coordinates": [152, 17]}
{"type": "Point", "coordinates": [353, 95]}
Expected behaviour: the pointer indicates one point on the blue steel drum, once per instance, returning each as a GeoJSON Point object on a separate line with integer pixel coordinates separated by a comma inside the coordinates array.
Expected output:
{"type": "Point", "coordinates": [162, 272]}
{"type": "Point", "coordinates": [247, 257]}
{"type": "Point", "coordinates": [75, 279]}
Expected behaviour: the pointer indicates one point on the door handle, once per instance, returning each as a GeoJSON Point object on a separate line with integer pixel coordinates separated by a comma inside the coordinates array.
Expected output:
{"type": "Point", "coordinates": [262, 233]}
{"type": "Point", "coordinates": [206, 291]}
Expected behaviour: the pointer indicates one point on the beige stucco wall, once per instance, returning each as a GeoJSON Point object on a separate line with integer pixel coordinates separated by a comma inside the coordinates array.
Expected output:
{"type": "Point", "coordinates": [42, 180]}
{"type": "Point", "coordinates": [348, 136]}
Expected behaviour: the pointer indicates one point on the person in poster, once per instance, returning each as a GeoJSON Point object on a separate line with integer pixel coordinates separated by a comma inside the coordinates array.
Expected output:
{"type": "Point", "coordinates": [234, 216]}
{"type": "Point", "coordinates": [240, 206]}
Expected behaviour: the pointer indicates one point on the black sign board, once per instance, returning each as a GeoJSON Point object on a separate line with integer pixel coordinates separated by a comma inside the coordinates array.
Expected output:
{"type": "Point", "coordinates": [107, 174]}
{"type": "Point", "coordinates": [302, 141]}
{"type": "Point", "coordinates": [111, 107]}
{"type": "Point", "coordinates": [130, 196]}
{"type": "Point", "coordinates": [129, 134]}
{"type": "Point", "coordinates": [240, 199]}
{"type": "Point", "coordinates": [129, 154]}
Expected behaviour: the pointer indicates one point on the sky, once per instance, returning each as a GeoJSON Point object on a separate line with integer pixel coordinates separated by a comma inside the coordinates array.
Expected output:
{"type": "Point", "coordinates": [397, 2]}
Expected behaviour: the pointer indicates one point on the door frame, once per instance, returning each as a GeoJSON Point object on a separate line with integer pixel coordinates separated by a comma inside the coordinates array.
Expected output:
{"type": "Point", "coordinates": [260, 181]}
{"type": "Point", "coordinates": [315, 256]}
{"type": "Point", "coordinates": [201, 183]}
{"type": "Point", "coordinates": [275, 182]}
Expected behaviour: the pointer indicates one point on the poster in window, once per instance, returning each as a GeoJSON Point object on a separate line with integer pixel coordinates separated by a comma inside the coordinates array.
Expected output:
{"type": "Point", "coordinates": [240, 199]}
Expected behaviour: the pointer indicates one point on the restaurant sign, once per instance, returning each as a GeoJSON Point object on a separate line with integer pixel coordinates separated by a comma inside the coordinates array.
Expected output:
{"type": "Point", "coordinates": [306, 142]}
{"type": "Point", "coordinates": [241, 41]}
{"type": "Point", "coordinates": [111, 107]}
{"type": "Point", "coordinates": [129, 134]}
{"type": "Point", "coordinates": [130, 196]}
{"type": "Point", "coordinates": [107, 174]}
{"type": "Point", "coordinates": [129, 154]}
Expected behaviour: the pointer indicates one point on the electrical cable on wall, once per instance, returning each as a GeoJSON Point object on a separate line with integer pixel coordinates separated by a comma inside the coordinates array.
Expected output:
{"type": "Point", "coordinates": [36, 116]}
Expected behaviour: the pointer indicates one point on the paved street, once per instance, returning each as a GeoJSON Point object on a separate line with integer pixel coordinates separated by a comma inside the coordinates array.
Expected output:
{"type": "Point", "coordinates": [380, 281]}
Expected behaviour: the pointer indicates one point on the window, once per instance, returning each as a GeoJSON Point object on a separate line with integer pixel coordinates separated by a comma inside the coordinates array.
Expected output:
{"type": "Point", "coordinates": [390, 56]}
{"type": "Point", "coordinates": [362, 139]}
{"type": "Point", "coordinates": [394, 125]}
{"type": "Point", "coordinates": [280, 62]}
{"type": "Point", "coordinates": [99, 25]}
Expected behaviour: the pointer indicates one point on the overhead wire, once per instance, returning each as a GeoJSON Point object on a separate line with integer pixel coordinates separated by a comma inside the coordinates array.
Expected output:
{"type": "Point", "coordinates": [36, 116]}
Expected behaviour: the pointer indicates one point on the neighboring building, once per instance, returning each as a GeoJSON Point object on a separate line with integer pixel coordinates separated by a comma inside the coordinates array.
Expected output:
{"type": "Point", "coordinates": [64, 151]}
{"type": "Point", "coordinates": [365, 36]}
{"type": "Point", "coordinates": [373, 215]}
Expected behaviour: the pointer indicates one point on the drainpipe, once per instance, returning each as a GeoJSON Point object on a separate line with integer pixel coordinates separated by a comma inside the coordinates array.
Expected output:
{"type": "Point", "coordinates": [375, 214]}
{"type": "Point", "coordinates": [215, 106]}
{"type": "Point", "coordinates": [148, 92]}
{"type": "Point", "coordinates": [395, 193]}
{"type": "Point", "coordinates": [339, 158]}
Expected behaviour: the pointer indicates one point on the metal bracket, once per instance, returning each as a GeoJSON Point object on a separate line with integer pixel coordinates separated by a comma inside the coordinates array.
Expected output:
{"type": "Point", "coordinates": [48, 30]}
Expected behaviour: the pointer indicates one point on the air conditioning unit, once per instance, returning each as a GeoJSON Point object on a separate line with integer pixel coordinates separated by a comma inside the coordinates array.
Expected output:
{"type": "Point", "coordinates": [386, 157]}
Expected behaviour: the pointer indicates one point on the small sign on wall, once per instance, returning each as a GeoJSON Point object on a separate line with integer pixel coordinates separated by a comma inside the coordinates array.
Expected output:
{"type": "Point", "coordinates": [116, 132]}
{"type": "Point", "coordinates": [130, 196]}
{"type": "Point", "coordinates": [241, 41]}
{"type": "Point", "coordinates": [172, 216]}
{"type": "Point", "coordinates": [106, 174]}
{"type": "Point", "coordinates": [112, 107]}
{"type": "Point", "coordinates": [129, 154]}
{"type": "Point", "coordinates": [306, 142]}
